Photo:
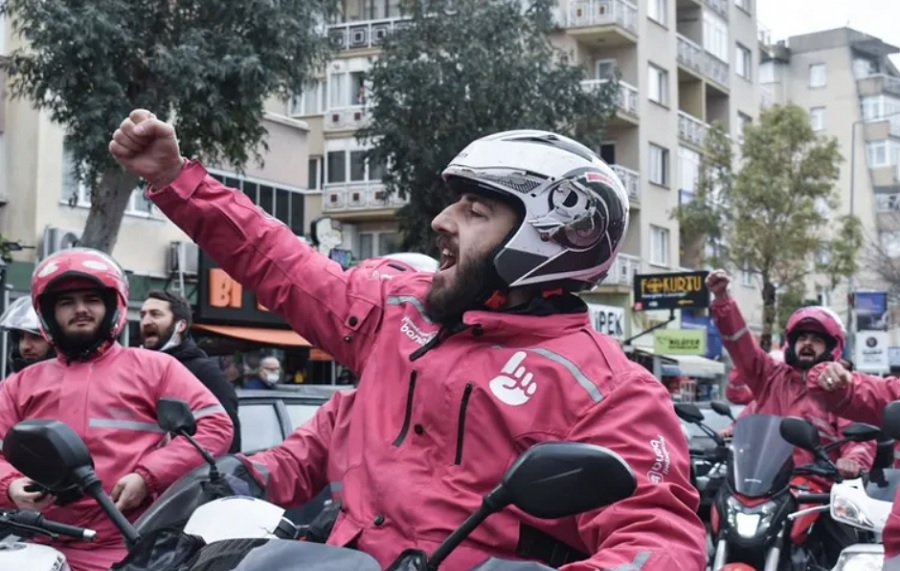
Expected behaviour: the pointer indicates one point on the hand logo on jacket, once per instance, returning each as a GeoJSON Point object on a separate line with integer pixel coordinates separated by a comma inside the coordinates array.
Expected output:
{"type": "Point", "coordinates": [515, 385]}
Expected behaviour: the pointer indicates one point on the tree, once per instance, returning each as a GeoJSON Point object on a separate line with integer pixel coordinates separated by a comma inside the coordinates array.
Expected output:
{"type": "Point", "coordinates": [462, 69]}
{"type": "Point", "coordinates": [774, 219]}
{"type": "Point", "coordinates": [207, 66]}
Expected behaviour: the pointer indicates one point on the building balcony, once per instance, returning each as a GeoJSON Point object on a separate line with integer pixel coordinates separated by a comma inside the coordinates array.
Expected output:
{"type": "Point", "coordinates": [621, 273]}
{"type": "Point", "coordinates": [878, 84]}
{"type": "Point", "coordinates": [720, 7]}
{"type": "Point", "coordinates": [359, 199]}
{"type": "Point", "coordinates": [627, 101]}
{"type": "Point", "coordinates": [364, 34]}
{"type": "Point", "coordinates": [690, 55]}
{"type": "Point", "coordinates": [632, 181]}
{"type": "Point", "coordinates": [691, 130]}
{"type": "Point", "coordinates": [716, 70]}
{"type": "Point", "coordinates": [345, 118]}
{"type": "Point", "coordinates": [610, 22]}
{"type": "Point", "coordinates": [766, 97]}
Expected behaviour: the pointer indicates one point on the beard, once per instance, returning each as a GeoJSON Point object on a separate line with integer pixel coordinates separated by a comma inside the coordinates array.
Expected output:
{"type": "Point", "coordinates": [450, 297]}
{"type": "Point", "coordinates": [78, 342]}
{"type": "Point", "coordinates": [161, 336]}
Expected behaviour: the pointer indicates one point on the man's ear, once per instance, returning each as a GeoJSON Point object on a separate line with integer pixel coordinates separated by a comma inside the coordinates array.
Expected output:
{"type": "Point", "coordinates": [181, 326]}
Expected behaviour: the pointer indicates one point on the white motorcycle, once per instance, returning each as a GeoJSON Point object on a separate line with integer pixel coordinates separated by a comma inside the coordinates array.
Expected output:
{"type": "Point", "coordinates": [17, 526]}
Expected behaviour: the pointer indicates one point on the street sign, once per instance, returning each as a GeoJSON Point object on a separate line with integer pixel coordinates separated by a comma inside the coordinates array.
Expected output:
{"type": "Point", "coordinates": [679, 341]}
{"type": "Point", "coordinates": [681, 290]}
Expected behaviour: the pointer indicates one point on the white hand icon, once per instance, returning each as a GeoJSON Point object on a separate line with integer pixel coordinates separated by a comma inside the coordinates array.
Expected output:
{"type": "Point", "coordinates": [515, 386]}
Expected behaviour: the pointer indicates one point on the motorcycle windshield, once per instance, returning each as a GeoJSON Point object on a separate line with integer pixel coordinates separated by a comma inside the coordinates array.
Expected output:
{"type": "Point", "coordinates": [760, 456]}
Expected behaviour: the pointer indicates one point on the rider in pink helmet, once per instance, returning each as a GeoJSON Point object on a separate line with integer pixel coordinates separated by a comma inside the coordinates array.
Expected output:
{"type": "Point", "coordinates": [815, 321]}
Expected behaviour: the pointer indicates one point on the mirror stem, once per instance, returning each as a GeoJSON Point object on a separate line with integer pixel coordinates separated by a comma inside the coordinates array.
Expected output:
{"type": "Point", "coordinates": [492, 503]}
{"type": "Point", "coordinates": [213, 469]}
{"type": "Point", "coordinates": [92, 485]}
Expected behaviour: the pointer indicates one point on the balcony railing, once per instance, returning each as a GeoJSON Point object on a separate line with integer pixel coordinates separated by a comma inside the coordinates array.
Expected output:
{"type": "Point", "coordinates": [631, 179]}
{"type": "Point", "coordinates": [587, 13]}
{"type": "Point", "coordinates": [716, 69]}
{"type": "Point", "coordinates": [887, 202]}
{"type": "Point", "coordinates": [691, 129]}
{"type": "Point", "coordinates": [691, 55]}
{"type": "Point", "coordinates": [357, 196]}
{"type": "Point", "coordinates": [623, 270]}
{"type": "Point", "coordinates": [720, 7]}
{"type": "Point", "coordinates": [627, 101]}
{"type": "Point", "coordinates": [366, 34]}
{"type": "Point", "coordinates": [345, 118]}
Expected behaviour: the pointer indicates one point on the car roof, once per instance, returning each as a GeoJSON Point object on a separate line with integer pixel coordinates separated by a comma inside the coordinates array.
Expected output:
{"type": "Point", "coordinates": [309, 392]}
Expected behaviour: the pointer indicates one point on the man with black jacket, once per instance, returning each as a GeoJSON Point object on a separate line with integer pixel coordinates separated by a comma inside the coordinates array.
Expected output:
{"type": "Point", "coordinates": [165, 320]}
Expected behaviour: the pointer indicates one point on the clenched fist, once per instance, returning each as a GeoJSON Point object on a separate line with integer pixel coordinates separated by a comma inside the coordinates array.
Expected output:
{"type": "Point", "coordinates": [717, 282]}
{"type": "Point", "coordinates": [147, 147]}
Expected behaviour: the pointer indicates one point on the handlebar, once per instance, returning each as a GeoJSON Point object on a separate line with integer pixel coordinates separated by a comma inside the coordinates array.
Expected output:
{"type": "Point", "coordinates": [32, 522]}
{"type": "Point", "coordinates": [813, 498]}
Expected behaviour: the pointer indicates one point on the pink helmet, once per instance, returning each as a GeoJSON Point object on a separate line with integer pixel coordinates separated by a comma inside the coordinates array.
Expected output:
{"type": "Point", "coordinates": [820, 320]}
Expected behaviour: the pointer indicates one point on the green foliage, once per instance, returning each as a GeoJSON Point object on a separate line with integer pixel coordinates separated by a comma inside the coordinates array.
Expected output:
{"type": "Point", "coordinates": [774, 218]}
{"type": "Point", "coordinates": [463, 69]}
{"type": "Point", "coordinates": [207, 66]}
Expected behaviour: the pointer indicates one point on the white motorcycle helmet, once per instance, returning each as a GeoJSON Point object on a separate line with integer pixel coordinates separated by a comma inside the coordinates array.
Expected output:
{"type": "Point", "coordinates": [20, 317]}
{"type": "Point", "coordinates": [574, 208]}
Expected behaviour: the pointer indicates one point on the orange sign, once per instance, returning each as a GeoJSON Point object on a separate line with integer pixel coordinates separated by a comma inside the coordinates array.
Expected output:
{"type": "Point", "coordinates": [224, 291]}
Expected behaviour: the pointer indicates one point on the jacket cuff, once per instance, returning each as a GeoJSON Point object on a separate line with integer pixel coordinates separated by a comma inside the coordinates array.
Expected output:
{"type": "Point", "coordinates": [149, 479]}
{"type": "Point", "coordinates": [191, 175]}
{"type": "Point", "coordinates": [5, 500]}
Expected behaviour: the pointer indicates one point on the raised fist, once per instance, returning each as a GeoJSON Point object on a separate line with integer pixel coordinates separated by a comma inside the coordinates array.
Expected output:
{"type": "Point", "coordinates": [717, 282]}
{"type": "Point", "coordinates": [147, 147]}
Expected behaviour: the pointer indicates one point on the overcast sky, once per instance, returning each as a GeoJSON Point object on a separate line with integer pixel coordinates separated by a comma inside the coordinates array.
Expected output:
{"type": "Point", "coordinates": [784, 18]}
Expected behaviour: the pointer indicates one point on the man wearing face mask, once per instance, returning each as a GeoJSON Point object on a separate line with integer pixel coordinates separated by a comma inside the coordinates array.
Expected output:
{"type": "Point", "coordinates": [165, 320]}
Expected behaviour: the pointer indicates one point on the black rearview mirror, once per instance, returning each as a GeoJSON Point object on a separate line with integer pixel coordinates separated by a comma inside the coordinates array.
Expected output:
{"type": "Point", "coordinates": [721, 408]}
{"type": "Point", "coordinates": [862, 432]}
{"type": "Point", "coordinates": [47, 451]}
{"type": "Point", "coordinates": [175, 416]}
{"type": "Point", "coordinates": [688, 412]}
{"type": "Point", "coordinates": [560, 479]}
{"type": "Point", "coordinates": [800, 433]}
{"type": "Point", "coordinates": [892, 419]}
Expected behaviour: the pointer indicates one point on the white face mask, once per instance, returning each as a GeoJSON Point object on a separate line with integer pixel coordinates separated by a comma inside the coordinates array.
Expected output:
{"type": "Point", "coordinates": [272, 378]}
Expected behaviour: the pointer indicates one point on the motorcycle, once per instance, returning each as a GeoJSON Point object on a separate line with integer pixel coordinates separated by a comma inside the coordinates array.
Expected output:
{"type": "Point", "coordinates": [550, 480]}
{"type": "Point", "coordinates": [17, 526]}
{"type": "Point", "coordinates": [749, 518]}
{"type": "Point", "coordinates": [707, 465]}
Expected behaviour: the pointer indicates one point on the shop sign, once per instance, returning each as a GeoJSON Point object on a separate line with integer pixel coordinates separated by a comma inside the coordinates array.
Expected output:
{"type": "Point", "coordinates": [221, 299]}
{"type": "Point", "coordinates": [679, 342]}
{"type": "Point", "coordinates": [608, 320]}
{"type": "Point", "coordinates": [872, 352]}
{"type": "Point", "coordinates": [681, 290]}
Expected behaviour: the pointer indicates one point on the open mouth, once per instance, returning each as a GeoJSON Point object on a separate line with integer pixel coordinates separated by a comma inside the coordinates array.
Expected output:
{"type": "Point", "coordinates": [448, 259]}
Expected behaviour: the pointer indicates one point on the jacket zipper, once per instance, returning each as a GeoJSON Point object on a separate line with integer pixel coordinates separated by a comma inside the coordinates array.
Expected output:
{"type": "Point", "coordinates": [461, 425]}
{"type": "Point", "coordinates": [407, 418]}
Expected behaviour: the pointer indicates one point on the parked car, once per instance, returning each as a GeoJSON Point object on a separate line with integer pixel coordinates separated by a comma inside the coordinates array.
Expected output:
{"type": "Point", "coordinates": [269, 416]}
{"type": "Point", "coordinates": [700, 441]}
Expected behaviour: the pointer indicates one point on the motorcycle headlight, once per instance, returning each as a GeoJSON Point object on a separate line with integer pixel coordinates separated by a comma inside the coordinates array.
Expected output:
{"type": "Point", "coordinates": [749, 521]}
{"type": "Point", "coordinates": [863, 557]}
{"type": "Point", "coordinates": [844, 510]}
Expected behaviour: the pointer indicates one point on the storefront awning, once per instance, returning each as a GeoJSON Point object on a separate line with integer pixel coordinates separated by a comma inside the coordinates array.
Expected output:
{"type": "Point", "coordinates": [697, 366]}
{"type": "Point", "coordinates": [668, 366]}
{"type": "Point", "coordinates": [283, 337]}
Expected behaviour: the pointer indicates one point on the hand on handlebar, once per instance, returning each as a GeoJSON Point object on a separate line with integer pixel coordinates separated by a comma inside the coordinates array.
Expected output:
{"type": "Point", "coordinates": [848, 468]}
{"type": "Point", "coordinates": [727, 432]}
{"type": "Point", "coordinates": [24, 499]}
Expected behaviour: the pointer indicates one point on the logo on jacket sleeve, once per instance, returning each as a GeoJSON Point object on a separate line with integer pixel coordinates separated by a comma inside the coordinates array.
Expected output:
{"type": "Point", "coordinates": [661, 463]}
{"type": "Point", "coordinates": [515, 385]}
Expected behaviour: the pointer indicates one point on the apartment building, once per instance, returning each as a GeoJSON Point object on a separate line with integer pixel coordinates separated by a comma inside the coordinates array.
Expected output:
{"type": "Point", "coordinates": [852, 91]}
{"type": "Point", "coordinates": [682, 65]}
{"type": "Point", "coordinates": [43, 208]}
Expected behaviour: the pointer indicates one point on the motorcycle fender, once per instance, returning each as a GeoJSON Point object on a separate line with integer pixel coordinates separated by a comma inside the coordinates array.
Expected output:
{"type": "Point", "coordinates": [239, 517]}
{"type": "Point", "coordinates": [31, 556]}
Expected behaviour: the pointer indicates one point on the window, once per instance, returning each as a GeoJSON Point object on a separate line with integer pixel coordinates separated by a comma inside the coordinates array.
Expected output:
{"type": "Point", "coordinates": [607, 69]}
{"type": "Point", "coordinates": [375, 244]}
{"type": "Point", "coordinates": [823, 296]}
{"type": "Point", "coordinates": [656, 10]}
{"type": "Point", "coordinates": [75, 193]}
{"type": "Point", "coordinates": [882, 153]}
{"type": "Point", "coordinates": [361, 10]}
{"type": "Point", "coordinates": [890, 242]}
{"type": "Point", "coordinates": [688, 168]}
{"type": "Point", "coordinates": [311, 101]}
{"type": "Point", "coordinates": [743, 121]}
{"type": "Point", "coordinates": [659, 85]}
{"type": "Point", "coordinates": [300, 413]}
{"type": "Point", "coordinates": [743, 61]}
{"type": "Point", "coordinates": [878, 107]}
{"type": "Point", "coordinates": [351, 166]}
{"type": "Point", "coordinates": [863, 67]}
{"type": "Point", "coordinates": [337, 167]}
{"type": "Point", "coordinates": [817, 118]}
{"type": "Point", "coordinates": [817, 75]}
{"type": "Point", "coordinates": [347, 89]}
{"type": "Point", "coordinates": [316, 174]}
{"type": "Point", "coordinates": [284, 204]}
{"type": "Point", "coordinates": [659, 165]}
{"type": "Point", "coordinates": [715, 35]}
{"type": "Point", "coordinates": [260, 427]}
{"type": "Point", "coordinates": [659, 246]}
{"type": "Point", "coordinates": [743, 5]}
{"type": "Point", "coordinates": [767, 72]}
{"type": "Point", "coordinates": [747, 277]}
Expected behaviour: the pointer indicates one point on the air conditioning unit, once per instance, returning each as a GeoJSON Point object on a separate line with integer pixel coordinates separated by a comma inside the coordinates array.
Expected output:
{"type": "Point", "coordinates": [184, 257]}
{"type": "Point", "coordinates": [56, 239]}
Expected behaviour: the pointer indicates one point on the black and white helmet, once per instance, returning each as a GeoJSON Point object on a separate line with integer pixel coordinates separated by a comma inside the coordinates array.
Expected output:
{"type": "Point", "coordinates": [575, 208]}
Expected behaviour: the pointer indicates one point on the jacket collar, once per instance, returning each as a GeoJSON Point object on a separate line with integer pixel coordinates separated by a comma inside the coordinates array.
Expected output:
{"type": "Point", "coordinates": [542, 317]}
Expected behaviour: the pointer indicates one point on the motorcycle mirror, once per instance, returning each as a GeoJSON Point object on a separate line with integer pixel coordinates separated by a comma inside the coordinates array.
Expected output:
{"type": "Point", "coordinates": [892, 419]}
{"type": "Point", "coordinates": [551, 480]}
{"type": "Point", "coordinates": [721, 408]}
{"type": "Point", "coordinates": [862, 432]}
{"type": "Point", "coordinates": [175, 416]}
{"type": "Point", "coordinates": [47, 451]}
{"type": "Point", "coordinates": [688, 412]}
{"type": "Point", "coordinates": [800, 433]}
{"type": "Point", "coordinates": [559, 479]}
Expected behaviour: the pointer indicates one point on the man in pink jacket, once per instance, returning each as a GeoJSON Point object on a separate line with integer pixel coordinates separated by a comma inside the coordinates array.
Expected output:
{"type": "Point", "coordinates": [108, 394]}
{"type": "Point", "coordinates": [463, 369]}
{"type": "Point", "coordinates": [861, 398]}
